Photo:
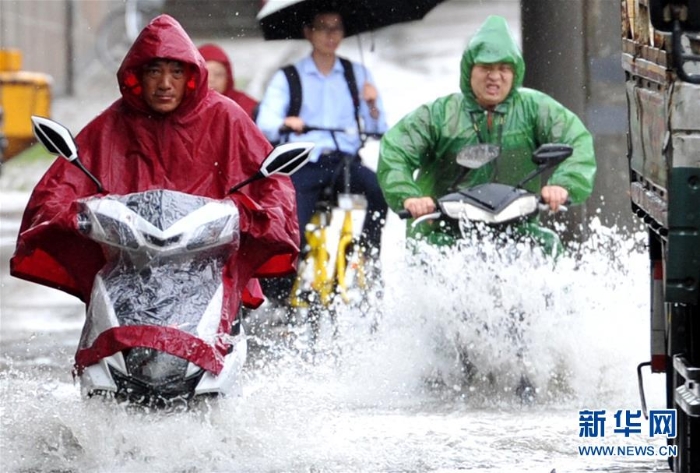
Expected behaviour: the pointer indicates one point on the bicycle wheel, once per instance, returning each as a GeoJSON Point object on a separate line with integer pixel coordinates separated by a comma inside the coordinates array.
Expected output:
{"type": "Point", "coordinates": [113, 41]}
{"type": "Point", "coordinates": [352, 285]}
{"type": "Point", "coordinates": [362, 288]}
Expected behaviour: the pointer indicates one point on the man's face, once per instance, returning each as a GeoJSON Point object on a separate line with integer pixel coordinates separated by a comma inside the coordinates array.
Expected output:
{"type": "Point", "coordinates": [217, 76]}
{"type": "Point", "coordinates": [164, 85]}
{"type": "Point", "coordinates": [491, 83]}
{"type": "Point", "coordinates": [325, 33]}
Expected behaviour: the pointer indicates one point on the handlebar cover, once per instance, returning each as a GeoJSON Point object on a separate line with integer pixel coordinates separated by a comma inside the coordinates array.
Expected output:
{"type": "Point", "coordinates": [404, 214]}
{"type": "Point", "coordinates": [83, 224]}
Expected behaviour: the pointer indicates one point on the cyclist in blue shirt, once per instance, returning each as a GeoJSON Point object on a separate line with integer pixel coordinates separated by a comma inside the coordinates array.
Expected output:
{"type": "Point", "coordinates": [327, 101]}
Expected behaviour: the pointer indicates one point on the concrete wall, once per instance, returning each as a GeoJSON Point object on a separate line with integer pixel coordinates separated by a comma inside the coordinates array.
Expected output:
{"type": "Point", "coordinates": [572, 50]}
{"type": "Point", "coordinates": [57, 37]}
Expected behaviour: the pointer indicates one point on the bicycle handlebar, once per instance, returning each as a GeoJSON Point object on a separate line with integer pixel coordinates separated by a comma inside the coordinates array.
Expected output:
{"type": "Point", "coordinates": [347, 131]}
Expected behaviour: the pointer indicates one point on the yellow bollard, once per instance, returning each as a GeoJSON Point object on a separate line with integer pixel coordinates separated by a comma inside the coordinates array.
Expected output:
{"type": "Point", "coordinates": [22, 94]}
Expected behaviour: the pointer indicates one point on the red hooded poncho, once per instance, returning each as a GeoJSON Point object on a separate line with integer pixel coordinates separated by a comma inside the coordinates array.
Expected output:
{"type": "Point", "coordinates": [211, 52]}
{"type": "Point", "coordinates": [204, 147]}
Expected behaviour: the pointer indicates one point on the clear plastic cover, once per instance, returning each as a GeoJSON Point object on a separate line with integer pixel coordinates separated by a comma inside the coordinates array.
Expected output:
{"type": "Point", "coordinates": [166, 252]}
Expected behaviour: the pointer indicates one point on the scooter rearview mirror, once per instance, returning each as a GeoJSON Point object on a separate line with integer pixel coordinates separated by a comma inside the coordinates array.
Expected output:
{"type": "Point", "coordinates": [551, 154]}
{"type": "Point", "coordinates": [475, 156]}
{"type": "Point", "coordinates": [285, 159]}
{"type": "Point", "coordinates": [55, 137]}
{"type": "Point", "coordinates": [58, 140]}
{"type": "Point", "coordinates": [546, 157]}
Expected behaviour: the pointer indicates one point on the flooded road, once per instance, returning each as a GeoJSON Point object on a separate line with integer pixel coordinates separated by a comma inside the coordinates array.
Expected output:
{"type": "Point", "coordinates": [394, 399]}
{"type": "Point", "coordinates": [389, 400]}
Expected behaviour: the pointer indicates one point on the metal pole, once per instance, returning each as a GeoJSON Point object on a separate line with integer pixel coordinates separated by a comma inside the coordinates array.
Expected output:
{"type": "Point", "coordinates": [70, 49]}
{"type": "Point", "coordinates": [3, 15]}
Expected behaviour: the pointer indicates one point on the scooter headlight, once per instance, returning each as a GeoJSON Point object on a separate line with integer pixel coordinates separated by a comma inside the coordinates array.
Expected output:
{"type": "Point", "coordinates": [458, 209]}
{"type": "Point", "coordinates": [117, 232]}
{"type": "Point", "coordinates": [209, 234]}
{"type": "Point", "coordinates": [519, 208]}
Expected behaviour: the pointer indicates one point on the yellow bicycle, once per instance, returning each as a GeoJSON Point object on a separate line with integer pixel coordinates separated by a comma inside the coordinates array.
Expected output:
{"type": "Point", "coordinates": [332, 273]}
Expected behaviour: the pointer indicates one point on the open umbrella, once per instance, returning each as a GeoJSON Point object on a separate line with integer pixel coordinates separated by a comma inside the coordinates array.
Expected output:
{"type": "Point", "coordinates": [285, 19]}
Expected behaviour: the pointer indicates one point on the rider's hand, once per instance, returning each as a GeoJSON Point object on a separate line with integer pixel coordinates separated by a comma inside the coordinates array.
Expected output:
{"type": "Point", "coordinates": [554, 196]}
{"type": "Point", "coordinates": [295, 124]}
{"type": "Point", "coordinates": [419, 206]}
{"type": "Point", "coordinates": [369, 95]}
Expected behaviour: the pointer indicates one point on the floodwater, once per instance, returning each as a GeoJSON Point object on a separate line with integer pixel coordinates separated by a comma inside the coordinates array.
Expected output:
{"type": "Point", "coordinates": [390, 399]}
{"type": "Point", "coordinates": [388, 392]}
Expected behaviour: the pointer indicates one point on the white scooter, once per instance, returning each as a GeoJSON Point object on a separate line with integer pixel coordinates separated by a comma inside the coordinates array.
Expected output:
{"type": "Point", "coordinates": [156, 305]}
{"type": "Point", "coordinates": [492, 206]}
{"type": "Point", "coordinates": [492, 203]}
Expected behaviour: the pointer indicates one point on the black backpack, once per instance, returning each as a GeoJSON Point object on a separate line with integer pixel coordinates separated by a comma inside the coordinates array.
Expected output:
{"type": "Point", "coordinates": [295, 95]}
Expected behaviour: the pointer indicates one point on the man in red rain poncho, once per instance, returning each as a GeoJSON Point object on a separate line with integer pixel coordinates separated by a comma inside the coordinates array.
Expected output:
{"type": "Point", "coordinates": [174, 134]}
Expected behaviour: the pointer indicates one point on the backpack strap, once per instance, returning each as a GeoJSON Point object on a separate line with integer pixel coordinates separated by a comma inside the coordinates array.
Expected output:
{"type": "Point", "coordinates": [295, 95]}
{"type": "Point", "coordinates": [352, 85]}
{"type": "Point", "coordinates": [294, 90]}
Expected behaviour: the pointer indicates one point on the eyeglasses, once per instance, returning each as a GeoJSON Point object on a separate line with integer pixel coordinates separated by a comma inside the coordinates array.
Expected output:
{"type": "Point", "coordinates": [328, 29]}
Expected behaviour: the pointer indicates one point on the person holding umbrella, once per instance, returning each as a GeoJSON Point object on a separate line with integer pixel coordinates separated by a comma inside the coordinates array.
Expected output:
{"type": "Point", "coordinates": [335, 93]}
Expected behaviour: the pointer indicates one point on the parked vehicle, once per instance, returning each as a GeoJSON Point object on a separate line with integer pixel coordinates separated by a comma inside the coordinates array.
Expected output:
{"type": "Point", "coordinates": [660, 56]}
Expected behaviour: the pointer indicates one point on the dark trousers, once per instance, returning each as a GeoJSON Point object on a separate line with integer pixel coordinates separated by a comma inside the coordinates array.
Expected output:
{"type": "Point", "coordinates": [313, 179]}
{"type": "Point", "coordinates": [310, 183]}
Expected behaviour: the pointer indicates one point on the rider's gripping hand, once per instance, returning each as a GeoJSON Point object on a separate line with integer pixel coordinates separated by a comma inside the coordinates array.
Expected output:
{"type": "Point", "coordinates": [554, 196]}
{"type": "Point", "coordinates": [295, 124]}
{"type": "Point", "coordinates": [419, 206]}
{"type": "Point", "coordinates": [369, 95]}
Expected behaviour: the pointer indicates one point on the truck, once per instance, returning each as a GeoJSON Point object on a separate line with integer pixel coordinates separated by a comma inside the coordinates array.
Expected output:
{"type": "Point", "coordinates": [661, 61]}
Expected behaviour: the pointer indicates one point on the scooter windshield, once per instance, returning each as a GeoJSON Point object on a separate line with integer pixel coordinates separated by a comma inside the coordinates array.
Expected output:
{"type": "Point", "coordinates": [165, 252]}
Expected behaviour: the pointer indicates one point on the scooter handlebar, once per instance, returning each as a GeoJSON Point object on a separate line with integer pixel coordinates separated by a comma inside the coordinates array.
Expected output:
{"type": "Point", "coordinates": [562, 208]}
{"type": "Point", "coordinates": [404, 214]}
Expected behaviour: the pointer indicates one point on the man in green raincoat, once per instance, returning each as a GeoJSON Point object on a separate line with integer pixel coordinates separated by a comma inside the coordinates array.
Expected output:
{"type": "Point", "coordinates": [492, 108]}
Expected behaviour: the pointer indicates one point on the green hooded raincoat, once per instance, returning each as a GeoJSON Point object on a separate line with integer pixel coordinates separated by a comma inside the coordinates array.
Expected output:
{"type": "Point", "coordinates": [429, 138]}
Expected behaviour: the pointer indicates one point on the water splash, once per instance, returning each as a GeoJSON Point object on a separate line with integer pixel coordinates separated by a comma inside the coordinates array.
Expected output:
{"type": "Point", "coordinates": [475, 320]}
{"type": "Point", "coordinates": [391, 396]}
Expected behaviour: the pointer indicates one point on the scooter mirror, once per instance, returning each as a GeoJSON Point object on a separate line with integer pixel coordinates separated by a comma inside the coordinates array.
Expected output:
{"type": "Point", "coordinates": [55, 137]}
{"type": "Point", "coordinates": [475, 156]}
{"type": "Point", "coordinates": [551, 154]}
{"type": "Point", "coordinates": [286, 159]}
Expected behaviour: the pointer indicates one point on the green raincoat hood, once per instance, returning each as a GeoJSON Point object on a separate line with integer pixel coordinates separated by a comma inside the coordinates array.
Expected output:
{"type": "Point", "coordinates": [493, 43]}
